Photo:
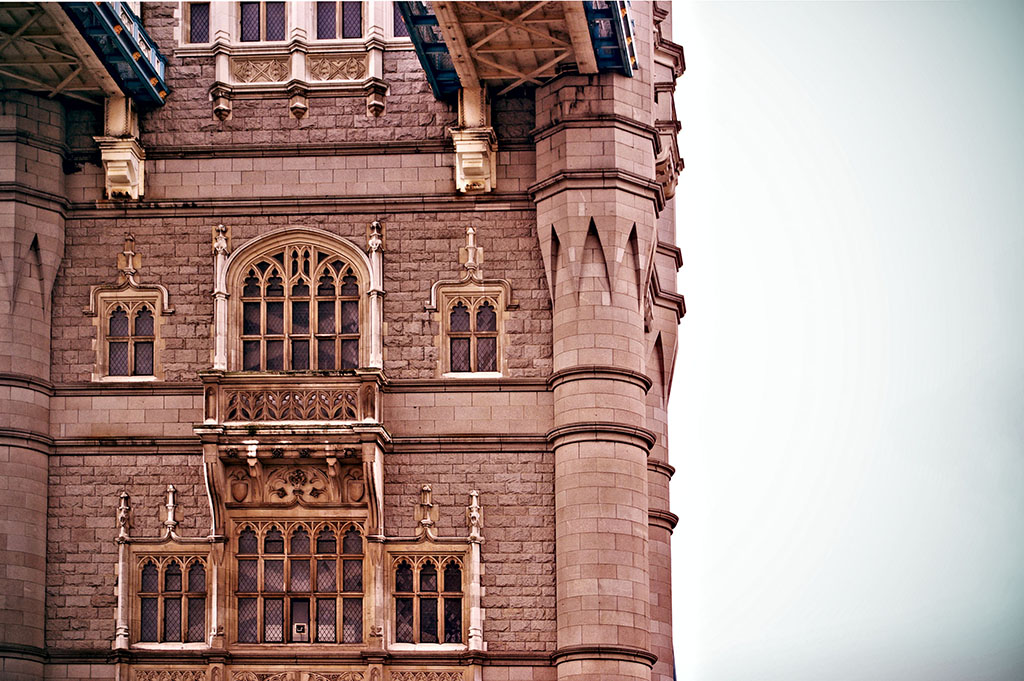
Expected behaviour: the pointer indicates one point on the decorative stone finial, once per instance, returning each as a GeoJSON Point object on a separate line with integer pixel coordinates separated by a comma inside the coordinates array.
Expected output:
{"type": "Point", "coordinates": [124, 517]}
{"type": "Point", "coordinates": [426, 514]}
{"type": "Point", "coordinates": [127, 261]}
{"type": "Point", "coordinates": [471, 256]}
{"type": "Point", "coordinates": [171, 523]}
{"type": "Point", "coordinates": [474, 516]}
{"type": "Point", "coordinates": [220, 240]}
{"type": "Point", "coordinates": [375, 242]}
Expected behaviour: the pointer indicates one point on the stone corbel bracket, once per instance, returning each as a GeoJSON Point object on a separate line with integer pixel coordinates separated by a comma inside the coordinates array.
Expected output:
{"type": "Point", "coordinates": [476, 154]}
{"type": "Point", "coordinates": [124, 167]}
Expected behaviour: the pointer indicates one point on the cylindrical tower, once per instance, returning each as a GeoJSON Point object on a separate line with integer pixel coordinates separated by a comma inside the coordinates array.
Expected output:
{"type": "Point", "coordinates": [597, 206]}
{"type": "Point", "coordinates": [32, 234]}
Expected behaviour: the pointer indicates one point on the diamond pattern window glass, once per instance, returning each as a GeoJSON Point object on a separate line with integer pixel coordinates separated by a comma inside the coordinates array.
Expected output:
{"type": "Point", "coordinates": [289, 572]}
{"type": "Point", "coordinates": [420, 592]}
{"type": "Point", "coordinates": [261, 21]}
{"type": "Point", "coordinates": [351, 20]}
{"type": "Point", "coordinates": [472, 330]}
{"type": "Point", "coordinates": [301, 317]}
{"type": "Point", "coordinates": [199, 22]}
{"type": "Point", "coordinates": [130, 339]}
{"type": "Point", "coordinates": [400, 29]}
{"type": "Point", "coordinates": [172, 600]}
{"type": "Point", "coordinates": [326, 20]}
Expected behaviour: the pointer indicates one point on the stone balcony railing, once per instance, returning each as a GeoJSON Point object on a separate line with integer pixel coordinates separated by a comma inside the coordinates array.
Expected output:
{"type": "Point", "coordinates": [245, 399]}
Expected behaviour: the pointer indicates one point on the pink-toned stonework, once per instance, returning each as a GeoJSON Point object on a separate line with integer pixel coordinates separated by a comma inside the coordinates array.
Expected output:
{"type": "Point", "coordinates": [542, 472]}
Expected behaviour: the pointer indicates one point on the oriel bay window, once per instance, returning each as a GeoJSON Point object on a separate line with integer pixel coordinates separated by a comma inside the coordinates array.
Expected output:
{"type": "Point", "coordinates": [300, 312]}
{"type": "Point", "coordinates": [299, 583]}
{"type": "Point", "coordinates": [428, 600]}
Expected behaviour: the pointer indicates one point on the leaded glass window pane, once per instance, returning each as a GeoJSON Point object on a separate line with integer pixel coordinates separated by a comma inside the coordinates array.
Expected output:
{"type": "Point", "coordinates": [118, 323]}
{"type": "Point", "coordinates": [326, 618]}
{"type": "Point", "coordinates": [349, 286]}
{"type": "Point", "coordinates": [275, 286]}
{"type": "Point", "coordinates": [274, 541]}
{"type": "Point", "coordinates": [428, 620]}
{"type": "Point", "coordinates": [196, 620]}
{"type": "Point", "coordinates": [148, 631]}
{"type": "Point", "coordinates": [251, 355]}
{"type": "Point", "coordinates": [326, 21]}
{"type": "Point", "coordinates": [275, 355]}
{"type": "Point", "coordinates": [452, 577]}
{"type": "Point", "coordinates": [326, 575]}
{"type": "Point", "coordinates": [300, 574]}
{"type": "Point", "coordinates": [460, 354]}
{"type": "Point", "coordinates": [250, 21]}
{"type": "Point", "coordinates": [251, 286]}
{"type": "Point", "coordinates": [150, 578]}
{"type": "Point", "coordinates": [172, 619]}
{"type": "Point", "coordinates": [453, 620]}
{"type": "Point", "coordinates": [300, 316]}
{"type": "Point", "coordinates": [247, 541]}
{"type": "Point", "coordinates": [352, 620]}
{"type": "Point", "coordinates": [486, 354]}
{"type": "Point", "coordinates": [172, 577]}
{"type": "Point", "coordinates": [275, 317]}
{"type": "Point", "coordinates": [199, 22]}
{"type": "Point", "coordinates": [353, 542]}
{"type": "Point", "coordinates": [118, 359]}
{"type": "Point", "coordinates": [326, 541]}
{"type": "Point", "coordinates": [459, 320]}
{"type": "Point", "coordinates": [400, 29]}
{"type": "Point", "coordinates": [403, 578]}
{"type": "Point", "coordinates": [300, 541]}
{"type": "Point", "coordinates": [143, 358]}
{"type": "Point", "coordinates": [300, 615]}
{"type": "Point", "coordinates": [349, 354]}
{"type": "Point", "coordinates": [273, 576]}
{"type": "Point", "coordinates": [428, 577]}
{"type": "Point", "coordinates": [247, 580]}
{"type": "Point", "coordinates": [197, 578]}
{"type": "Point", "coordinates": [251, 319]}
{"type": "Point", "coordinates": [486, 320]}
{"type": "Point", "coordinates": [247, 612]}
{"type": "Point", "coordinates": [325, 354]}
{"type": "Point", "coordinates": [273, 620]}
{"type": "Point", "coordinates": [352, 575]}
{"type": "Point", "coordinates": [144, 322]}
{"type": "Point", "coordinates": [275, 21]}
{"type": "Point", "coordinates": [349, 316]}
{"type": "Point", "coordinates": [403, 620]}
{"type": "Point", "coordinates": [325, 316]}
{"type": "Point", "coordinates": [300, 355]}
{"type": "Point", "coordinates": [351, 20]}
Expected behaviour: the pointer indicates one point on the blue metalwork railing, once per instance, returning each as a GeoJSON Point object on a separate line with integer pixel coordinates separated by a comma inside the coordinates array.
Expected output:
{"type": "Point", "coordinates": [611, 32]}
{"type": "Point", "coordinates": [116, 35]}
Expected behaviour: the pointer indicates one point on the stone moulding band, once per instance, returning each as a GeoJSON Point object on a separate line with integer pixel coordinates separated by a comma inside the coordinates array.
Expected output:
{"type": "Point", "coordinates": [600, 178]}
{"type": "Point", "coordinates": [661, 467]}
{"type": "Point", "coordinates": [664, 519]}
{"type": "Point", "coordinates": [604, 652]}
{"type": "Point", "coordinates": [601, 372]}
{"type": "Point", "coordinates": [26, 381]}
{"type": "Point", "coordinates": [26, 439]}
{"type": "Point", "coordinates": [604, 431]}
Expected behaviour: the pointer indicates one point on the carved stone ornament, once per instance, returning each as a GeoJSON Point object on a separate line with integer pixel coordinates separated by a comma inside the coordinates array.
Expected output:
{"type": "Point", "coordinates": [260, 70]}
{"type": "Point", "coordinates": [170, 675]}
{"type": "Point", "coordinates": [337, 676]}
{"type": "Point", "coordinates": [426, 676]}
{"type": "Point", "coordinates": [337, 68]}
{"type": "Point", "coordinates": [291, 405]}
{"type": "Point", "coordinates": [304, 485]}
{"type": "Point", "coordinates": [261, 676]}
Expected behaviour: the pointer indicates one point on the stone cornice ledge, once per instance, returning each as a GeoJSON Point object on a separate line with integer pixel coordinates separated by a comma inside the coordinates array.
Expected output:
{"type": "Point", "coordinates": [599, 371]}
{"type": "Point", "coordinates": [599, 178]}
{"type": "Point", "coordinates": [664, 519]}
{"type": "Point", "coordinates": [16, 380]}
{"type": "Point", "coordinates": [604, 431]}
{"type": "Point", "coordinates": [604, 652]}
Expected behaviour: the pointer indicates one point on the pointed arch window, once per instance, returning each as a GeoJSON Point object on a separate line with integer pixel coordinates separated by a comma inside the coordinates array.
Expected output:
{"type": "Point", "coordinates": [172, 600]}
{"type": "Point", "coordinates": [130, 338]}
{"type": "Point", "coordinates": [472, 335]}
{"type": "Point", "coordinates": [299, 588]}
{"type": "Point", "coordinates": [300, 311]}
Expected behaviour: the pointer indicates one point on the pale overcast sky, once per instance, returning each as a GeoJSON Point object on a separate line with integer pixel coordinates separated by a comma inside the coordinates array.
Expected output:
{"type": "Point", "coordinates": [848, 405]}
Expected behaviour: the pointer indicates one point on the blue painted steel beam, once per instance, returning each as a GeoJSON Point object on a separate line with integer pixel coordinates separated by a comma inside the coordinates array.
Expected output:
{"type": "Point", "coordinates": [115, 34]}
{"type": "Point", "coordinates": [430, 48]}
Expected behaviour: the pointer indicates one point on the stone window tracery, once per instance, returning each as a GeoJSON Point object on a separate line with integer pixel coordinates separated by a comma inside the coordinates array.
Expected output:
{"type": "Point", "coordinates": [472, 335]}
{"type": "Point", "coordinates": [300, 582]}
{"type": "Point", "coordinates": [428, 599]}
{"type": "Point", "coordinates": [300, 312]}
{"type": "Point", "coordinates": [171, 600]}
{"type": "Point", "coordinates": [130, 339]}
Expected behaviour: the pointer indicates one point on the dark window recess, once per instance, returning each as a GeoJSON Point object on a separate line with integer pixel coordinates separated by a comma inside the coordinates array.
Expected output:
{"type": "Point", "coordinates": [326, 541]}
{"type": "Point", "coordinates": [428, 578]}
{"type": "Point", "coordinates": [275, 21]}
{"type": "Point", "coordinates": [274, 541]}
{"type": "Point", "coordinates": [143, 358]}
{"type": "Point", "coordinates": [326, 21]}
{"type": "Point", "coordinates": [453, 620]}
{"type": "Point", "coordinates": [452, 577]}
{"type": "Point", "coordinates": [250, 21]}
{"type": "Point", "coordinates": [460, 354]}
{"type": "Point", "coordinates": [403, 620]}
{"type": "Point", "coordinates": [150, 578]}
{"type": "Point", "coordinates": [172, 578]}
{"type": "Point", "coordinates": [352, 620]}
{"type": "Point", "coordinates": [353, 542]}
{"type": "Point", "coordinates": [351, 20]}
{"type": "Point", "coordinates": [199, 22]}
{"type": "Point", "coordinates": [403, 578]}
{"type": "Point", "coordinates": [118, 359]}
{"type": "Point", "coordinates": [144, 322]}
{"type": "Point", "coordinates": [300, 541]}
{"type": "Point", "coordinates": [247, 541]}
{"type": "Point", "coordinates": [428, 620]}
{"type": "Point", "coordinates": [300, 616]}
{"type": "Point", "coordinates": [401, 30]}
{"type": "Point", "coordinates": [486, 354]}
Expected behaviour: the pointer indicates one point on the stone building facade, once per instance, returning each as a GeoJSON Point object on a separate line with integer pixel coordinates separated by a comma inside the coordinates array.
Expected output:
{"type": "Point", "coordinates": [332, 353]}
